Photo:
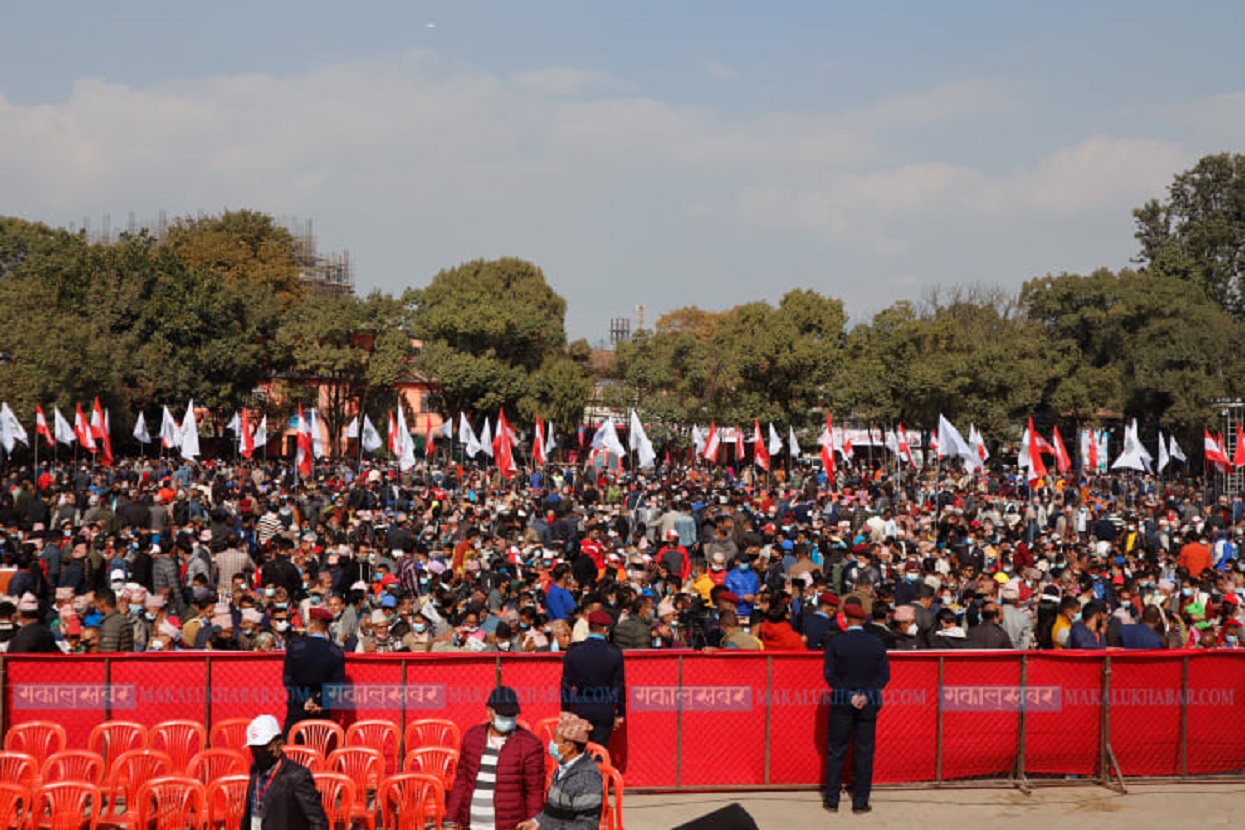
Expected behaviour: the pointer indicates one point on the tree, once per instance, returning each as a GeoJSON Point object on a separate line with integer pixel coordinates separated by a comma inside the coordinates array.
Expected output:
{"type": "Point", "coordinates": [1198, 234]}
{"type": "Point", "coordinates": [241, 246]}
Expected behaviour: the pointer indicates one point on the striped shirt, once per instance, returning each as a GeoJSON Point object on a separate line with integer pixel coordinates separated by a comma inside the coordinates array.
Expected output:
{"type": "Point", "coordinates": [482, 809]}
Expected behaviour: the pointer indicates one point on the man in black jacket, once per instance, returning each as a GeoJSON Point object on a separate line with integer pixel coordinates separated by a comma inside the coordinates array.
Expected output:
{"type": "Point", "coordinates": [281, 794]}
{"type": "Point", "coordinates": [593, 680]}
{"type": "Point", "coordinates": [311, 662]}
{"type": "Point", "coordinates": [857, 670]}
{"type": "Point", "coordinates": [35, 636]}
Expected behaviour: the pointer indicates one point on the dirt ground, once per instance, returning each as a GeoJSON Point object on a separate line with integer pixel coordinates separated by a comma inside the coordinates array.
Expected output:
{"type": "Point", "coordinates": [1193, 804]}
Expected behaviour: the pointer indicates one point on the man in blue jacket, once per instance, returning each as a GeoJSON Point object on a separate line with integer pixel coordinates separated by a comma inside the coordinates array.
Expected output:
{"type": "Point", "coordinates": [742, 582]}
{"type": "Point", "coordinates": [857, 671]}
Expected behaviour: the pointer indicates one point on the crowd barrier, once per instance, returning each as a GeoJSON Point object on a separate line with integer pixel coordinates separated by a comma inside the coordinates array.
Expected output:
{"type": "Point", "coordinates": [731, 720]}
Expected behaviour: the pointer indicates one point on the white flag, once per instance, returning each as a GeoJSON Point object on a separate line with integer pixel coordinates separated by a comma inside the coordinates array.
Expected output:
{"type": "Point", "coordinates": [317, 439]}
{"type": "Point", "coordinates": [189, 434]}
{"type": "Point", "coordinates": [551, 442]}
{"type": "Point", "coordinates": [140, 430]}
{"type": "Point", "coordinates": [1131, 458]}
{"type": "Point", "coordinates": [1177, 454]}
{"type": "Point", "coordinates": [775, 443]}
{"type": "Point", "coordinates": [235, 424]}
{"type": "Point", "coordinates": [467, 437]}
{"type": "Point", "coordinates": [486, 438]}
{"type": "Point", "coordinates": [352, 428]}
{"type": "Point", "coordinates": [11, 429]}
{"type": "Point", "coordinates": [371, 438]}
{"type": "Point", "coordinates": [406, 444]}
{"type": "Point", "coordinates": [170, 433]}
{"type": "Point", "coordinates": [1163, 457]}
{"type": "Point", "coordinates": [698, 441]}
{"type": "Point", "coordinates": [793, 446]}
{"type": "Point", "coordinates": [952, 443]}
{"type": "Point", "coordinates": [260, 437]}
{"type": "Point", "coordinates": [446, 430]}
{"type": "Point", "coordinates": [62, 429]}
{"type": "Point", "coordinates": [640, 443]}
{"type": "Point", "coordinates": [606, 438]}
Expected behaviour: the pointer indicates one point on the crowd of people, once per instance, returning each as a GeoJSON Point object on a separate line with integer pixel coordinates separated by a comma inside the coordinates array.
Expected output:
{"type": "Point", "coordinates": [153, 555]}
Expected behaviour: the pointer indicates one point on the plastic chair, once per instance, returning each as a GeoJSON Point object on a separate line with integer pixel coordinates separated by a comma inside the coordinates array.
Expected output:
{"type": "Point", "coordinates": [73, 765]}
{"type": "Point", "coordinates": [612, 806]}
{"type": "Point", "coordinates": [408, 800]}
{"type": "Point", "coordinates": [337, 794]}
{"type": "Point", "coordinates": [363, 765]}
{"type": "Point", "coordinates": [226, 801]}
{"type": "Point", "coordinates": [545, 728]}
{"type": "Point", "coordinates": [308, 756]}
{"type": "Point", "coordinates": [19, 768]}
{"type": "Point", "coordinates": [181, 740]}
{"type": "Point", "coordinates": [37, 738]}
{"type": "Point", "coordinates": [67, 805]}
{"type": "Point", "coordinates": [129, 772]}
{"type": "Point", "coordinates": [211, 764]}
{"type": "Point", "coordinates": [229, 734]}
{"type": "Point", "coordinates": [16, 805]}
{"type": "Point", "coordinates": [172, 803]}
{"type": "Point", "coordinates": [440, 762]}
{"type": "Point", "coordinates": [600, 753]}
{"type": "Point", "coordinates": [324, 735]}
{"type": "Point", "coordinates": [432, 732]}
{"type": "Point", "coordinates": [111, 738]}
{"type": "Point", "coordinates": [380, 735]}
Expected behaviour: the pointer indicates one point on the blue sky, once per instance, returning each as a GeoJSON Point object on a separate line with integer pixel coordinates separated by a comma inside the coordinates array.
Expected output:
{"type": "Point", "coordinates": [668, 154]}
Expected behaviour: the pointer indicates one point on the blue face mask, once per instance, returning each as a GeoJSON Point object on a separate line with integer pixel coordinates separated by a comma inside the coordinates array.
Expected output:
{"type": "Point", "coordinates": [1230, 640]}
{"type": "Point", "coordinates": [743, 566]}
{"type": "Point", "coordinates": [1188, 592]}
{"type": "Point", "coordinates": [504, 725]}
{"type": "Point", "coordinates": [553, 751]}
{"type": "Point", "coordinates": [1077, 618]}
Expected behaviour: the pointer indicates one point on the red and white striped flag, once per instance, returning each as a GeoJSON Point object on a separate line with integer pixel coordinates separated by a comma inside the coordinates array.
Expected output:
{"type": "Point", "coordinates": [760, 455]}
{"type": "Point", "coordinates": [1214, 452]}
{"type": "Point", "coordinates": [82, 429]}
{"type": "Point", "coordinates": [41, 426]}
{"type": "Point", "coordinates": [712, 444]}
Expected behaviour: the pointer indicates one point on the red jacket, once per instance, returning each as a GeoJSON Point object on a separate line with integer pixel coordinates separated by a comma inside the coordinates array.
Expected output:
{"type": "Point", "coordinates": [520, 790]}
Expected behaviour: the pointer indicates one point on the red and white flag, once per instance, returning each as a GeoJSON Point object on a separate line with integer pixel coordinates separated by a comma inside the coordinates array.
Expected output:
{"type": "Point", "coordinates": [827, 449]}
{"type": "Point", "coordinates": [305, 456]}
{"type": "Point", "coordinates": [905, 448]}
{"type": "Point", "coordinates": [247, 437]}
{"type": "Point", "coordinates": [394, 446]}
{"type": "Point", "coordinates": [1238, 454]}
{"type": "Point", "coordinates": [760, 455]}
{"type": "Point", "coordinates": [100, 432]}
{"type": "Point", "coordinates": [1063, 461]}
{"type": "Point", "coordinates": [428, 439]}
{"type": "Point", "coordinates": [978, 443]}
{"type": "Point", "coordinates": [504, 448]}
{"type": "Point", "coordinates": [712, 444]}
{"type": "Point", "coordinates": [739, 444]}
{"type": "Point", "coordinates": [41, 426]}
{"type": "Point", "coordinates": [1037, 467]}
{"type": "Point", "coordinates": [538, 445]}
{"type": "Point", "coordinates": [1037, 441]}
{"type": "Point", "coordinates": [1214, 452]}
{"type": "Point", "coordinates": [82, 429]}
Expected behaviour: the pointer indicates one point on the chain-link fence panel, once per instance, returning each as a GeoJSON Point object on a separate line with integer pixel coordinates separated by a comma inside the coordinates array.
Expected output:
{"type": "Point", "coordinates": [70, 690]}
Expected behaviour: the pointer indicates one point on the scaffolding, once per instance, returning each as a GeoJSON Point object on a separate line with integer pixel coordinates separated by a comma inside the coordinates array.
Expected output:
{"type": "Point", "coordinates": [1232, 416]}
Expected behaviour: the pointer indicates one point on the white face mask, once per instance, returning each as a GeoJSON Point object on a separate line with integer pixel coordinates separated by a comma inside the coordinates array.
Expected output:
{"type": "Point", "coordinates": [911, 630]}
{"type": "Point", "coordinates": [281, 625]}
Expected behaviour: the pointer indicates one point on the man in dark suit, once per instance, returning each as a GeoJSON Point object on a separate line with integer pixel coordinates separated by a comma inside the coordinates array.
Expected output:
{"type": "Point", "coordinates": [311, 663]}
{"type": "Point", "coordinates": [857, 671]}
{"type": "Point", "coordinates": [281, 794]}
{"type": "Point", "coordinates": [820, 626]}
{"type": "Point", "coordinates": [593, 682]}
{"type": "Point", "coordinates": [34, 636]}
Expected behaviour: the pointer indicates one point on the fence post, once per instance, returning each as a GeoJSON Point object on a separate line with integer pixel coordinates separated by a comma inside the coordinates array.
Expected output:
{"type": "Point", "coordinates": [402, 735]}
{"type": "Point", "coordinates": [938, 734]}
{"type": "Point", "coordinates": [1184, 716]}
{"type": "Point", "coordinates": [678, 730]}
{"type": "Point", "coordinates": [207, 696]}
{"type": "Point", "coordinates": [1018, 770]}
{"type": "Point", "coordinates": [769, 709]}
{"type": "Point", "coordinates": [1105, 753]}
{"type": "Point", "coordinates": [497, 679]}
{"type": "Point", "coordinates": [108, 687]}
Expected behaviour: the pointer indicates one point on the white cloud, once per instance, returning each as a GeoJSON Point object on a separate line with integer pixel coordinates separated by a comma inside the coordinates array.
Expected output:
{"type": "Point", "coordinates": [720, 71]}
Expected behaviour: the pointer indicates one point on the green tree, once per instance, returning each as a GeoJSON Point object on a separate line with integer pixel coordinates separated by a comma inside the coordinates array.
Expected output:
{"type": "Point", "coordinates": [241, 246]}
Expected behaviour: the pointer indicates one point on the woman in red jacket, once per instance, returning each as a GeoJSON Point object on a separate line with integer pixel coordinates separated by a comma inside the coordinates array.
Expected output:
{"type": "Point", "coordinates": [776, 634]}
{"type": "Point", "coordinates": [501, 770]}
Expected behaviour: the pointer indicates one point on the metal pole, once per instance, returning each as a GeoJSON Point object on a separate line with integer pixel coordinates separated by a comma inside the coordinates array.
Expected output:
{"type": "Point", "coordinates": [402, 735]}
{"type": "Point", "coordinates": [207, 698]}
{"type": "Point", "coordinates": [1021, 780]}
{"type": "Point", "coordinates": [108, 687]}
{"type": "Point", "coordinates": [1184, 716]}
{"type": "Point", "coordinates": [769, 709]}
{"type": "Point", "coordinates": [938, 734]}
{"type": "Point", "coordinates": [1104, 721]}
{"type": "Point", "coordinates": [678, 732]}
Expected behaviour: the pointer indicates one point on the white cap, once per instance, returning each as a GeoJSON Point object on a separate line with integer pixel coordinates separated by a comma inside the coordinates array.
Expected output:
{"type": "Point", "coordinates": [262, 730]}
{"type": "Point", "coordinates": [117, 575]}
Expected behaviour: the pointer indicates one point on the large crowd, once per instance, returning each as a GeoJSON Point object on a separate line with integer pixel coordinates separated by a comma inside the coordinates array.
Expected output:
{"type": "Point", "coordinates": [152, 555]}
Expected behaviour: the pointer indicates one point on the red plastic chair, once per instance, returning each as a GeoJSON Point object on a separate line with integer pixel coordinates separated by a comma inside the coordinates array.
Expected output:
{"type": "Point", "coordinates": [129, 772]}
{"type": "Point", "coordinates": [226, 802]}
{"type": "Point", "coordinates": [612, 806]}
{"type": "Point", "coordinates": [73, 765]}
{"type": "Point", "coordinates": [171, 803]}
{"type": "Point", "coordinates": [229, 734]}
{"type": "Point", "coordinates": [432, 732]}
{"type": "Point", "coordinates": [37, 738]}
{"type": "Point", "coordinates": [545, 728]}
{"type": "Point", "coordinates": [16, 805]}
{"type": "Point", "coordinates": [308, 756]}
{"type": "Point", "coordinates": [381, 735]}
{"type": "Point", "coordinates": [181, 740]}
{"type": "Point", "coordinates": [324, 735]}
{"type": "Point", "coordinates": [68, 805]}
{"type": "Point", "coordinates": [19, 768]}
{"type": "Point", "coordinates": [111, 738]}
{"type": "Point", "coordinates": [601, 754]}
{"type": "Point", "coordinates": [338, 795]}
{"type": "Point", "coordinates": [440, 762]}
{"type": "Point", "coordinates": [409, 800]}
{"type": "Point", "coordinates": [211, 764]}
{"type": "Point", "coordinates": [364, 766]}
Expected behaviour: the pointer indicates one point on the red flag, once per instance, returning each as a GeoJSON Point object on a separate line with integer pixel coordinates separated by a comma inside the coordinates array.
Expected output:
{"type": "Point", "coordinates": [82, 429]}
{"type": "Point", "coordinates": [712, 443]}
{"type": "Point", "coordinates": [306, 446]}
{"type": "Point", "coordinates": [538, 445]}
{"type": "Point", "coordinates": [1238, 455]}
{"type": "Point", "coordinates": [760, 455]}
{"type": "Point", "coordinates": [393, 435]}
{"type": "Point", "coordinates": [1214, 452]}
{"type": "Point", "coordinates": [827, 450]}
{"type": "Point", "coordinates": [739, 444]}
{"type": "Point", "coordinates": [428, 442]}
{"type": "Point", "coordinates": [905, 448]}
{"type": "Point", "coordinates": [248, 439]}
{"type": "Point", "coordinates": [99, 431]}
{"type": "Point", "coordinates": [1063, 461]}
{"type": "Point", "coordinates": [1093, 450]}
{"type": "Point", "coordinates": [1038, 441]}
{"type": "Point", "coordinates": [504, 449]}
{"type": "Point", "coordinates": [41, 426]}
{"type": "Point", "coordinates": [1037, 468]}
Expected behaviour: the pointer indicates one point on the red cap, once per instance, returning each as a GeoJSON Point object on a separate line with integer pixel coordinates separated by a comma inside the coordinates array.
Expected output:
{"type": "Point", "coordinates": [322, 614]}
{"type": "Point", "coordinates": [829, 598]}
{"type": "Point", "coordinates": [854, 611]}
{"type": "Point", "coordinates": [729, 597]}
{"type": "Point", "coordinates": [600, 618]}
